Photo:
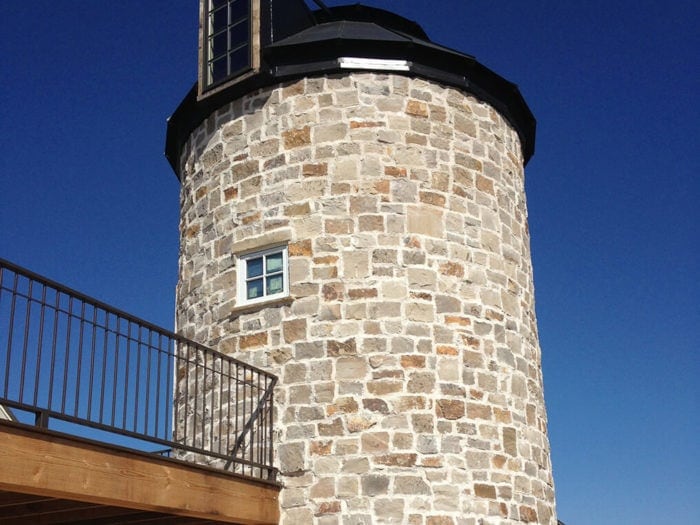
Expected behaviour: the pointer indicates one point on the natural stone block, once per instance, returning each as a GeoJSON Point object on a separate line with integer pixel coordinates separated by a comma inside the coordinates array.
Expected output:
{"type": "Point", "coordinates": [374, 485]}
{"type": "Point", "coordinates": [411, 485]}
{"type": "Point", "coordinates": [425, 221]}
{"type": "Point", "coordinates": [485, 491]}
{"type": "Point", "coordinates": [351, 368]}
{"type": "Point", "coordinates": [314, 170]}
{"type": "Point", "coordinates": [417, 108]}
{"type": "Point", "coordinates": [297, 137]}
{"type": "Point", "coordinates": [340, 348]}
{"type": "Point", "coordinates": [291, 457]}
{"type": "Point", "coordinates": [373, 442]}
{"type": "Point", "coordinates": [450, 409]}
{"type": "Point", "coordinates": [510, 441]}
{"type": "Point", "coordinates": [397, 460]}
{"type": "Point", "coordinates": [252, 340]}
{"type": "Point", "coordinates": [294, 330]}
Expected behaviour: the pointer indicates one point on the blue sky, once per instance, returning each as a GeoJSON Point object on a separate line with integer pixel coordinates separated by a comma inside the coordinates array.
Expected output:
{"type": "Point", "coordinates": [87, 198]}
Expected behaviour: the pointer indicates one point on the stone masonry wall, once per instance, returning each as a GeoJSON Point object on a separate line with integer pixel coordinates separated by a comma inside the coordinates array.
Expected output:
{"type": "Point", "coordinates": [410, 381]}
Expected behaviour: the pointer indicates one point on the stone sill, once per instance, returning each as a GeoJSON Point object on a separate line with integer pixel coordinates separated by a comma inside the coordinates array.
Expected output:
{"type": "Point", "coordinates": [241, 310]}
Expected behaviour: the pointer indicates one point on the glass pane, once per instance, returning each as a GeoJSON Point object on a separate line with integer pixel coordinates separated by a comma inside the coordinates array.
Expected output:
{"type": "Point", "coordinates": [219, 20]}
{"type": "Point", "coordinates": [239, 34]}
{"type": "Point", "coordinates": [254, 267]}
{"type": "Point", "coordinates": [239, 10]}
{"type": "Point", "coordinates": [218, 69]}
{"type": "Point", "coordinates": [254, 288]}
{"type": "Point", "coordinates": [239, 60]}
{"type": "Point", "coordinates": [274, 263]}
{"type": "Point", "coordinates": [219, 45]}
{"type": "Point", "coordinates": [275, 284]}
{"type": "Point", "coordinates": [218, 3]}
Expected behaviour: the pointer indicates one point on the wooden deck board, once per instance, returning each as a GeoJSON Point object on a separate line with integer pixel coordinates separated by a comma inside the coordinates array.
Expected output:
{"type": "Point", "coordinates": [55, 467]}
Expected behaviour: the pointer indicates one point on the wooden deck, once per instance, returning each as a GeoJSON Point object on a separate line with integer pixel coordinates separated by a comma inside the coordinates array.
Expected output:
{"type": "Point", "coordinates": [49, 478]}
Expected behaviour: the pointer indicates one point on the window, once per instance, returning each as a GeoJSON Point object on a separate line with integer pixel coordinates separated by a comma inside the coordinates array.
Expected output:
{"type": "Point", "coordinates": [262, 276]}
{"type": "Point", "coordinates": [227, 46]}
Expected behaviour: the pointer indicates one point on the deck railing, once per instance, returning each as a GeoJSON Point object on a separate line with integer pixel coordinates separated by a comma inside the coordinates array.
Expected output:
{"type": "Point", "coordinates": [75, 365]}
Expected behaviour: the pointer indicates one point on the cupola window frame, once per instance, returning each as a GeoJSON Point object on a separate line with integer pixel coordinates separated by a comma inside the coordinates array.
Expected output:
{"type": "Point", "coordinates": [229, 43]}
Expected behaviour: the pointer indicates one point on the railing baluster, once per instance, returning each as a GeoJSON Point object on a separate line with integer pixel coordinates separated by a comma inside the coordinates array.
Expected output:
{"type": "Point", "coordinates": [93, 349]}
{"type": "Point", "coordinates": [10, 331]}
{"type": "Point", "coordinates": [39, 345]}
{"type": "Point", "coordinates": [80, 357]}
{"type": "Point", "coordinates": [66, 361]}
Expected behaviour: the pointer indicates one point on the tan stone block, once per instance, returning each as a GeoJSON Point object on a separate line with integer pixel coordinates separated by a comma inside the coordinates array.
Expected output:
{"type": "Point", "coordinates": [252, 340]}
{"type": "Point", "coordinates": [420, 312]}
{"type": "Point", "coordinates": [439, 520]}
{"type": "Point", "coordinates": [297, 137]}
{"type": "Point", "coordinates": [411, 485]}
{"type": "Point", "coordinates": [294, 210]}
{"type": "Point", "coordinates": [345, 405]}
{"type": "Point", "coordinates": [408, 403]}
{"type": "Point", "coordinates": [373, 442]}
{"type": "Point", "coordinates": [357, 423]}
{"type": "Point", "coordinates": [502, 416]}
{"type": "Point", "coordinates": [351, 368]}
{"type": "Point", "coordinates": [291, 457]}
{"type": "Point", "coordinates": [335, 428]}
{"type": "Point", "coordinates": [323, 488]}
{"type": "Point", "coordinates": [243, 170]}
{"type": "Point", "coordinates": [371, 223]}
{"type": "Point", "coordinates": [362, 293]}
{"type": "Point", "coordinates": [429, 197]}
{"type": "Point", "coordinates": [425, 221]}
{"type": "Point", "coordinates": [383, 387]}
{"type": "Point", "coordinates": [328, 507]}
{"type": "Point", "coordinates": [374, 484]}
{"type": "Point", "coordinates": [413, 361]}
{"type": "Point", "coordinates": [355, 124]}
{"type": "Point", "coordinates": [417, 108]}
{"type": "Point", "coordinates": [452, 268]}
{"type": "Point", "coordinates": [379, 310]}
{"type": "Point", "coordinates": [330, 132]}
{"type": "Point", "coordinates": [314, 170]}
{"type": "Point", "coordinates": [450, 409]}
{"type": "Point", "coordinates": [341, 348]}
{"type": "Point", "coordinates": [355, 264]}
{"type": "Point", "coordinates": [395, 171]}
{"type": "Point", "coordinates": [477, 411]}
{"type": "Point", "coordinates": [333, 291]}
{"type": "Point", "coordinates": [510, 441]}
{"type": "Point", "coordinates": [320, 448]}
{"type": "Point", "coordinates": [432, 462]}
{"type": "Point", "coordinates": [397, 460]}
{"type": "Point", "coordinates": [485, 491]}
{"type": "Point", "coordinates": [339, 226]}
{"type": "Point", "coordinates": [528, 514]}
{"type": "Point", "coordinates": [294, 330]}
{"type": "Point", "coordinates": [446, 350]}
{"type": "Point", "coordinates": [485, 184]}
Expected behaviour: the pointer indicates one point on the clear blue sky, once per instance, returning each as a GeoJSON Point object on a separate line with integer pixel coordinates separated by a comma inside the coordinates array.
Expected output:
{"type": "Point", "coordinates": [87, 198]}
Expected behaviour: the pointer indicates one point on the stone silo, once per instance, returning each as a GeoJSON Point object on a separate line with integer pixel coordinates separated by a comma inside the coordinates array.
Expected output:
{"type": "Point", "coordinates": [353, 219]}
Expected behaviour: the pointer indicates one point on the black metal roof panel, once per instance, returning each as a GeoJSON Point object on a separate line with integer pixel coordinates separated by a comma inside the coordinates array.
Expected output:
{"type": "Point", "coordinates": [362, 32]}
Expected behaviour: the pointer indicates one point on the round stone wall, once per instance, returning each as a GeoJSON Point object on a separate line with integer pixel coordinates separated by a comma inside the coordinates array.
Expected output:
{"type": "Point", "coordinates": [410, 381]}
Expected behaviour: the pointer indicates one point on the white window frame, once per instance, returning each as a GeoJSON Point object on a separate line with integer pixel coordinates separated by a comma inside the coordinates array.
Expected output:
{"type": "Point", "coordinates": [242, 273]}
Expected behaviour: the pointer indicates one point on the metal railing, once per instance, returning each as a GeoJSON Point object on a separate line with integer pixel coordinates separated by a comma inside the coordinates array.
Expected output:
{"type": "Point", "coordinates": [76, 365]}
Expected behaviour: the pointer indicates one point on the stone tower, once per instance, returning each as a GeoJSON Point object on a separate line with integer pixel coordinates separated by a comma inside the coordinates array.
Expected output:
{"type": "Point", "coordinates": [353, 219]}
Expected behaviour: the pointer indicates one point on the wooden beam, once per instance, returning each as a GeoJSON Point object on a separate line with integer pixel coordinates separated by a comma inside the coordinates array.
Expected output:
{"type": "Point", "coordinates": [47, 464]}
